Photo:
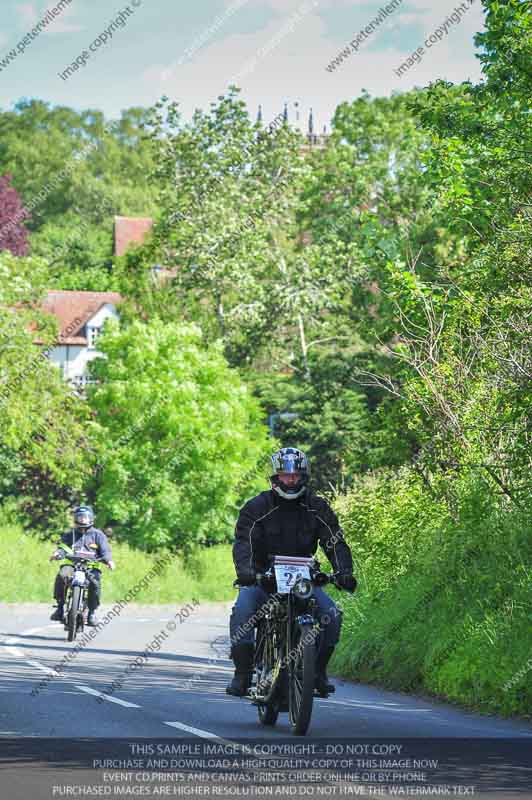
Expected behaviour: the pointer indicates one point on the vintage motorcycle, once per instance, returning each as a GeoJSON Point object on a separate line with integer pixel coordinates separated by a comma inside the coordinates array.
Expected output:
{"type": "Point", "coordinates": [75, 571]}
{"type": "Point", "coordinates": [287, 638]}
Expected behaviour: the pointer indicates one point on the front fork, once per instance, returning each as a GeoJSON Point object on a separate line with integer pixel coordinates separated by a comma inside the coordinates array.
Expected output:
{"type": "Point", "coordinates": [81, 611]}
{"type": "Point", "coordinates": [304, 621]}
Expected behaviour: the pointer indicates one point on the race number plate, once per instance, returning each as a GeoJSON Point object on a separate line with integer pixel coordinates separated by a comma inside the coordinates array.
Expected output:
{"type": "Point", "coordinates": [287, 574]}
{"type": "Point", "coordinates": [79, 577]}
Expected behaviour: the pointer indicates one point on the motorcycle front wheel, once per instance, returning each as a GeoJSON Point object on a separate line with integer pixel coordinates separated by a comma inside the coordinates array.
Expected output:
{"type": "Point", "coordinates": [73, 611]}
{"type": "Point", "coordinates": [301, 679]}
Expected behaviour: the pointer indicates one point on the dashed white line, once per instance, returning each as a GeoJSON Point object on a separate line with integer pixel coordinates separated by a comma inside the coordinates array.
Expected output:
{"type": "Point", "coordinates": [374, 707]}
{"type": "Point", "coordinates": [108, 697]}
{"type": "Point", "coordinates": [15, 652]}
{"type": "Point", "coordinates": [245, 748]}
{"type": "Point", "coordinates": [196, 731]}
{"type": "Point", "coordinates": [31, 631]}
{"type": "Point", "coordinates": [40, 666]}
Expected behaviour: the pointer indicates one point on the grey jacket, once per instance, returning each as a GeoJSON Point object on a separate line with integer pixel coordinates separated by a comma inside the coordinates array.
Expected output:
{"type": "Point", "coordinates": [79, 539]}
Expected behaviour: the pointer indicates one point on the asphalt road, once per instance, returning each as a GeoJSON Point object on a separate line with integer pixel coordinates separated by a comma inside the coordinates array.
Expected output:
{"type": "Point", "coordinates": [178, 694]}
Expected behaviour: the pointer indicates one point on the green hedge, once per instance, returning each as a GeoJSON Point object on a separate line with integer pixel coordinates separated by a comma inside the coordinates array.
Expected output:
{"type": "Point", "coordinates": [445, 597]}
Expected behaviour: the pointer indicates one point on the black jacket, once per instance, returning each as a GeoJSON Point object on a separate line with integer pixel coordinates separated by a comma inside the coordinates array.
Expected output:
{"type": "Point", "coordinates": [269, 525]}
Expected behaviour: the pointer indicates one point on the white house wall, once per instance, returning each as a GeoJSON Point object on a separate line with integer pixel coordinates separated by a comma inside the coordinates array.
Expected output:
{"type": "Point", "coordinates": [73, 359]}
{"type": "Point", "coordinates": [106, 312]}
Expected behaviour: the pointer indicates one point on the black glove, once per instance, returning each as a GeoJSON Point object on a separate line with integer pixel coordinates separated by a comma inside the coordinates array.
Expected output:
{"type": "Point", "coordinates": [320, 578]}
{"type": "Point", "coordinates": [246, 577]}
{"type": "Point", "coordinates": [346, 581]}
{"type": "Point", "coordinates": [267, 582]}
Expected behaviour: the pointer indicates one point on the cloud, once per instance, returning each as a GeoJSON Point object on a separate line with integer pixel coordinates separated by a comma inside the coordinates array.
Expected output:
{"type": "Point", "coordinates": [294, 69]}
{"type": "Point", "coordinates": [283, 6]}
{"type": "Point", "coordinates": [30, 15]}
{"type": "Point", "coordinates": [27, 14]}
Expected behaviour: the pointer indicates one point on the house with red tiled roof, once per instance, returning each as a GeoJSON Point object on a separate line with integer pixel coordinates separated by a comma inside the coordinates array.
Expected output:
{"type": "Point", "coordinates": [81, 316]}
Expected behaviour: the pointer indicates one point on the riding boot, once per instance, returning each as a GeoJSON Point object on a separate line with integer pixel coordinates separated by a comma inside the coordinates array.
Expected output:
{"type": "Point", "coordinates": [322, 682]}
{"type": "Point", "coordinates": [242, 655]}
{"type": "Point", "coordinates": [92, 603]}
{"type": "Point", "coordinates": [57, 616]}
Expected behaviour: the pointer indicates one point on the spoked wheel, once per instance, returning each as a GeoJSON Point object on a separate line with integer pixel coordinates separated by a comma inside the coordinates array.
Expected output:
{"type": "Point", "coordinates": [73, 611]}
{"type": "Point", "coordinates": [264, 664]}
{"type": "Point", "coordinates": [301, 678]}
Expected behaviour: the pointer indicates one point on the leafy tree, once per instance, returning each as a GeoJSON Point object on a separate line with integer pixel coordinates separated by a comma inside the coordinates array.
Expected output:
{"type": "Point", "coordinates": [181, 436]}
{"type": "Point", "coordinates": [79, 253]}
{"type": "Point", "coordinates": [467, 336]}
{"type": "Point", "coordinates": [368, 205]}
{"type": "Point", "coordinates": [75, 172]}
{"type": "Point", "coordinates": [229, 195]}
{"type": "Point", "coordinates": [63, 160]}
{"type": "Point", "coordinates": [45, 431]}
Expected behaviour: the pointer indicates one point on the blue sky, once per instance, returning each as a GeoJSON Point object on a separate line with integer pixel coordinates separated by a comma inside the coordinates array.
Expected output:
{"type": "Point", "coordinates": [276, 50]}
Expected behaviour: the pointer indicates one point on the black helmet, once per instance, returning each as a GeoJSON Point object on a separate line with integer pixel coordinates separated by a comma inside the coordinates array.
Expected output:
{"type": "Point", "coordinates": [289, 459]}
{"type": "Point", "coordinates": [83, 517]}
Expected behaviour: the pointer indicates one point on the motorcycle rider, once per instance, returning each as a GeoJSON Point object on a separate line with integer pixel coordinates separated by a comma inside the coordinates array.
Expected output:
{"type": "Point", "coordinates": [288, 519]}
{"type": "Point", "coordinates": [83, 537]}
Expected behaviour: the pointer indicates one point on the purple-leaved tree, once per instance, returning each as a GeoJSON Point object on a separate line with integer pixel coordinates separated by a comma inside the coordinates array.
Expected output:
{"type": "Point", "coordinates": [13, 234]}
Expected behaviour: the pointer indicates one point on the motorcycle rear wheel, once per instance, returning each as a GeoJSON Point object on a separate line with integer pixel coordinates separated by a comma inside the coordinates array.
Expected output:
{"type": "Point", "coordinates": [264, 664]}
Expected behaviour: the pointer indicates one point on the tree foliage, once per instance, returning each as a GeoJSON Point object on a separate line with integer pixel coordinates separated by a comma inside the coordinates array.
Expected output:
{"type": "Point", "coordinates": [181, 436]}
{"type": "Point", "coordinates": [45, 431]}
{"type": "Point", "coordinates": [378, 290]}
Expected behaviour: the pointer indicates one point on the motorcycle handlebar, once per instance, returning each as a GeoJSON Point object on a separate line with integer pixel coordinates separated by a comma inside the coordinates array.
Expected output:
{"type": "Point", "coordinates": [73, 557]}
{"type": "Point", "coordinates": [319, 578]}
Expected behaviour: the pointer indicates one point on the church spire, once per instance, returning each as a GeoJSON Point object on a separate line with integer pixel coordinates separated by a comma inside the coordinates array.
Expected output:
{"type": "Point", "coordinates": [311, 123]}
{"type": "Point", "coordinates": [259, 115]}
{"type": "Point", "coordinates": [285, 114]}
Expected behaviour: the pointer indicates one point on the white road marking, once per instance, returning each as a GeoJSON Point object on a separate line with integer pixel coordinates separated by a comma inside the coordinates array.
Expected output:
{"type": "Point", "coordinates": [246, 749]}
{"type": "Point", "coordinates": [15, 652]}
{"type": "Point", "coordinates": [373, 706]}
{"type": "Point", "coordinates": [41, 667]}
{"type": "Point", "coordinates": [108, 697]}
{"type": "Point", "coordinates": [31, 631]}
{"type": "Point", "coordinates": [196, 731]}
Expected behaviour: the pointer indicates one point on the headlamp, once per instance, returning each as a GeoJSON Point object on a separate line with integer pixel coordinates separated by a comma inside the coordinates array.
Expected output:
{"type": "Point", "coordinates": [302, 588]}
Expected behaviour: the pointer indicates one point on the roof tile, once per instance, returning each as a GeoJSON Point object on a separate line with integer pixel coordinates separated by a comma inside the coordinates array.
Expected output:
{"type": "Point", "coordinates": [74, 309]}
{"type": "Point", "coordinates": [130, 230]}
